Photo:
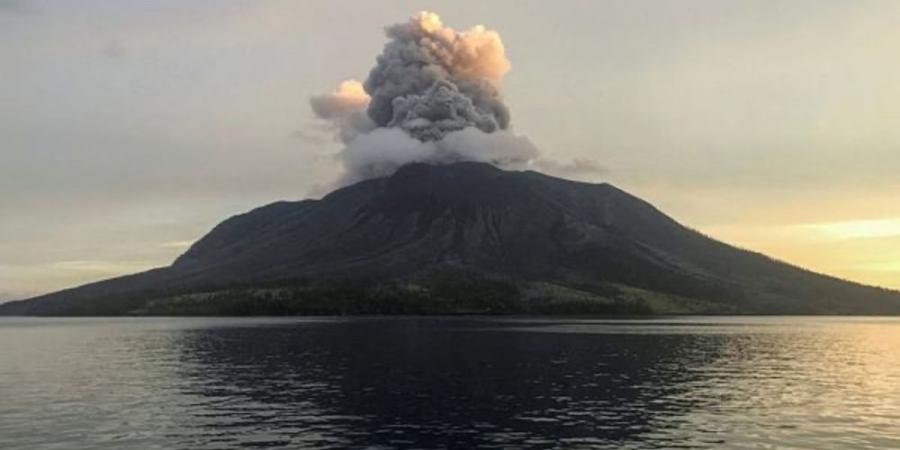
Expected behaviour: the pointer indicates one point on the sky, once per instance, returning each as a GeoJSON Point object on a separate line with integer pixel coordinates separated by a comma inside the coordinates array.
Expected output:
{"type": "Point", "coordinates": [128, 129]}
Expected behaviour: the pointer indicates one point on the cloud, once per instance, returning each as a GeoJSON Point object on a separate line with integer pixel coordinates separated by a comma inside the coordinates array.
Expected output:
{"type": "Point", "coordinates": [856, 229]}
{"type": "Point", "coordinates": [177, 244]}
{"type": "Point", "coordinates": [100, 267]}
{"type": "Point", "coordinates": [384, 150]}
{"type": "Point", "coordinates": [113, 50]}
{"type": "Point", "coordinates": [16, 7]}
{"type": "Point", "coordinates": [433, 96]}
{"type": "Point", "coordinates": [345, 109]}
{"type": "Point", "coordinates": [431, 79]}
{"type": "Point", "coordinates": [576, 168]}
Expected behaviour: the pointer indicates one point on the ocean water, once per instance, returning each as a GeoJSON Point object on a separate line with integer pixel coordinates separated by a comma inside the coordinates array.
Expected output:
{"type": "Point", "coordinates": [222, 383]}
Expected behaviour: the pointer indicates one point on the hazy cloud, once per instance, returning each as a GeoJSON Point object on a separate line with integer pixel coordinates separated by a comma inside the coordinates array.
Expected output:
{"type": "Point", "coordinates": [17, 7]}
{"type": "Point", "coordinates": [113, 50]}
{"type": "Point", "coordinates": [575, 168]}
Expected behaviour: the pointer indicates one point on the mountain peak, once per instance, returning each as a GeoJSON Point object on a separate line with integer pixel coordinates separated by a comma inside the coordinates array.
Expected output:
{"type": "Point", "coordinates": [524, 228]}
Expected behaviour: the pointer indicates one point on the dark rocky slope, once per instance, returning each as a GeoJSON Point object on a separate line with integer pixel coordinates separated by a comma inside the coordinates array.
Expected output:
{"type": "Point", "coordinates": [525, 229]}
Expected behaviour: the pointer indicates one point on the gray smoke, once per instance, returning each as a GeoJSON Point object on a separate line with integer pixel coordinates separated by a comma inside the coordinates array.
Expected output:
{"type": "Point", "coordinates": [439, 110]}
{"type": "Point", "coordinates": [433, 96]}
{"type": "Point", "coordinates": [431, 80]}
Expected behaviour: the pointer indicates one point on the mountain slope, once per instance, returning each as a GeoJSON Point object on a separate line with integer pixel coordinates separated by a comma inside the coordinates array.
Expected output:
{"type": "Point", "coordinates": [524, 228]}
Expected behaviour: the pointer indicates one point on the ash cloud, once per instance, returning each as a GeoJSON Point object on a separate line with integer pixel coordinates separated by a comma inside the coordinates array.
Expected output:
{"type": "Point", "coordinates": [345, 110]}
{"type": "Point", "coordinates": [433, 96]}
{"type": "Point", "coordinates": [431, 80]}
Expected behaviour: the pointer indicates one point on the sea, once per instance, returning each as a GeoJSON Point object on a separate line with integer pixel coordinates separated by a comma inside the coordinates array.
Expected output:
{"type": "Point", "coordinates": [450, 383]}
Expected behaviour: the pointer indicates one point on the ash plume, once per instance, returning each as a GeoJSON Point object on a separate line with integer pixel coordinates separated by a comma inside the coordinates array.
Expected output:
{"type": "Point", "coordinates": [433, 96]}
{"type": "Point", "coordinates": [431, 80]}
{"type": "Point", "coordinates": [345, 108]}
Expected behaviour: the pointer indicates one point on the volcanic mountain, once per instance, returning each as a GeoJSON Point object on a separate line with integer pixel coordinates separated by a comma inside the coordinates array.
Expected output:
{"type": "Point", "coordinates": [464, 237]}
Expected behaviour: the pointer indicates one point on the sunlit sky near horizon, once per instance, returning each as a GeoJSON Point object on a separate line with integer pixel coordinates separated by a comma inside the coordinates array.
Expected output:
{"type": "Point", "coordinates": [128, 129]}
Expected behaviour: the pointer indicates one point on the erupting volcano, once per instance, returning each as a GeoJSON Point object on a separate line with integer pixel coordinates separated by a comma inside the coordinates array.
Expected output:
{"type": "Point", "coordinates": [441, 209]}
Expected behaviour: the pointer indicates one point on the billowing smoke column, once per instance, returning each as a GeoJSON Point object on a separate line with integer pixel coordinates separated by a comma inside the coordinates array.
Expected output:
{"type": "Point", "coordinates": [432, 96]}
{"type": "Point", "coordinates": [431, 80]}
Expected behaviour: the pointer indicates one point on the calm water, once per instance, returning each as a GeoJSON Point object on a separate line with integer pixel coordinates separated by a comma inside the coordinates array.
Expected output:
{"type": "Point", "coordinates": [816, 383]}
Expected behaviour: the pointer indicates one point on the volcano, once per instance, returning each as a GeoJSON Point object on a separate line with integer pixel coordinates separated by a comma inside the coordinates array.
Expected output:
{"type": "Point", "coordinates": [465, 237]}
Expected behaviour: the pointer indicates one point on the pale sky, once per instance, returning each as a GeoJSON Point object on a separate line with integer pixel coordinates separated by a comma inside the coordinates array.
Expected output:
{"type": "Point", "coordinates": [130, 128]}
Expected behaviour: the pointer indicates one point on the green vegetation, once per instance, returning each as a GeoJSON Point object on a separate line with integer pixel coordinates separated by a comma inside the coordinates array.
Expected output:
{"type": "Point", "coordinates": [445, 291]}
{"type": "Point", "coordinates": [612, 298]}
{"type": "Point", "coordinates": [436, 293]}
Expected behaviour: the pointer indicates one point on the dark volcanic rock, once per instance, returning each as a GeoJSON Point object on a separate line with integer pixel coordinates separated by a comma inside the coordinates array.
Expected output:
{"type": "Point", "coordinates": [519, 226]}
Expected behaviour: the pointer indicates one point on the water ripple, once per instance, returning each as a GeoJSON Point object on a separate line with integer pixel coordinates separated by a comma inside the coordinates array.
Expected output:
{"type": "Point", "coordinates": [816, 383]}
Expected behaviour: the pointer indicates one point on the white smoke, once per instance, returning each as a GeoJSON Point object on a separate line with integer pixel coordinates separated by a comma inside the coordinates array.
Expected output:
{"type": "Point", "coordinates": [384, 150]}
{"type": "Point", "coordinates": [433, 96]}
{"type": "Point", "coordinates": [345, 108]}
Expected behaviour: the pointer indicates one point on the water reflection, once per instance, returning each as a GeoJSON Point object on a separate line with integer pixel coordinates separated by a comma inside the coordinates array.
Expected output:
{"type": "Point", "coordinates": [441, 384]}
{"type": "Point", "coordinates": [812, 383]}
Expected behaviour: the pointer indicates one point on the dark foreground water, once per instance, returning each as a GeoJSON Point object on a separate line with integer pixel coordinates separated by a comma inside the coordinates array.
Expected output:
{"type": "Point", "coordinates": [815, 383]}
